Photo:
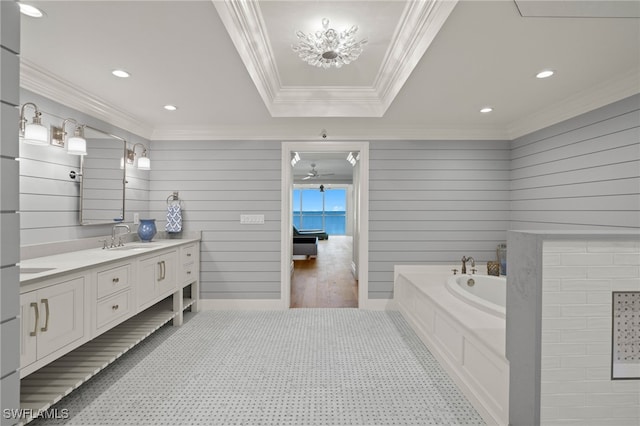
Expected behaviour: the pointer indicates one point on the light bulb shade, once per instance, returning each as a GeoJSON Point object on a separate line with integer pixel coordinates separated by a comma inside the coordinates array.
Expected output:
{"type": "Point", "coordinates": [77, 145]}
{"type": "Point", "coordinates": [144, 163]}
{"type": "Point", "coordinates": [36, 134]}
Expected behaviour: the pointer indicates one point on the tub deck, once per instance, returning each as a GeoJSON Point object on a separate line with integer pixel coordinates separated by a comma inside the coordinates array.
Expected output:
{"type": "Point", "coordinates": [467, 342]}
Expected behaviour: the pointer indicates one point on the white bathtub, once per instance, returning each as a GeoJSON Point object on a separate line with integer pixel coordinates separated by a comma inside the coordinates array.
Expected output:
{"type": "Point", "coordinates": [463, 327]}
{"type": "Point", "coordinates": [485, 292]}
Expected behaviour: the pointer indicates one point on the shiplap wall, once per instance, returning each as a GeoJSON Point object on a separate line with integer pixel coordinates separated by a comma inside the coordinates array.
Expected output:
{"type": "Point", "coordinates": [432, 202]}
{"type": "Point", "coordinates": [217, 182]}
{"type": "Point", "coordinates": [583, 173]}
{"type": "Point", "coordinates": [49, 198]}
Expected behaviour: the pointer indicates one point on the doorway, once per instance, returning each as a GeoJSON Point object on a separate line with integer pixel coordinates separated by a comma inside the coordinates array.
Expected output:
{"type": "Point", "coordinates": [359, 242]}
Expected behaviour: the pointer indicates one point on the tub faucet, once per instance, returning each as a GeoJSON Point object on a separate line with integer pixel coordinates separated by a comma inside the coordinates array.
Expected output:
{"type": "Point", "coordinates": [464, 263]}
{"type": "Point", "coordinates": [113, 234]}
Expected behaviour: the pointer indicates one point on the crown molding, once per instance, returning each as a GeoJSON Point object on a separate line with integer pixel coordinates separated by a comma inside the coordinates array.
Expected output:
{"type": "Point", "coordinates": [346, 132]}
{"type": "Point", "coordinates": [595, 97]}
{"type": "Point", "coordinates": [43, 83]}
{"type": "Point", "coordinates": [420, 22]}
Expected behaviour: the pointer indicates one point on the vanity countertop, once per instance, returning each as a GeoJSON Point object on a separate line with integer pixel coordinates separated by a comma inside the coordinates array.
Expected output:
{"type": "Point", "coordinates": [40, 268]}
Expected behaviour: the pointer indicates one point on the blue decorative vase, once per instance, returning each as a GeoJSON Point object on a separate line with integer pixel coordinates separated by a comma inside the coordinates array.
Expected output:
{"type": "Point", "coordinates": [147, 229]}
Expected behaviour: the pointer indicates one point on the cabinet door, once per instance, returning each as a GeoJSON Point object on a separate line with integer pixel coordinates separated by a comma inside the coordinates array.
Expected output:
{"type": "Point", "coordinates": [61, 315]}
{"type": "Point", "coordinates": [148, 270]}
{"type": "Point", "coordinates": [167, 279]}
{"type": "Point", "coordinates": [29, 327]}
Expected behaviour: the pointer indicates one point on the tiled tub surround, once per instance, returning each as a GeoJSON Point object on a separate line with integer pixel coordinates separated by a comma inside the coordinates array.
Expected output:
{"type": "Point", "coordinates": [82, 309]}
{"type": "Point", "coordinates": [559, 327]}
{"type": "Point", "coordinates": [468, 342]}
{"type": "Point", "coordinates": [578, 280]}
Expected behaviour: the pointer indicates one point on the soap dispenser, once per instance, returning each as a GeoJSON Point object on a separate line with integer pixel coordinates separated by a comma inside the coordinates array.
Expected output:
{"type": "Point", "coordinates": [502, 258]}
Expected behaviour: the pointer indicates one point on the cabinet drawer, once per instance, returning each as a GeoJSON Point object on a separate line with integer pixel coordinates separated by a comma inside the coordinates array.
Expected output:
{"type": "Point", "coordinates": [188, 253]}
{"type": "Point", "coordinates": [188, 273]}
{"type": "Point", "coordinates": [113, 280]}
{"type": "Point", "coordinates": [113, 308]}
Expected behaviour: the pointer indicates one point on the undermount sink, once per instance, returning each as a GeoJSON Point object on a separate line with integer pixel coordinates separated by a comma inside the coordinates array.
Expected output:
{"type": "Point", "coordinates": [34, 270]}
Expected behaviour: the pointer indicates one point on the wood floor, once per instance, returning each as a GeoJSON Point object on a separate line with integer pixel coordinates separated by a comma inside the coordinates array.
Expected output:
{"type": "Point", "coordinates": [326, 281]}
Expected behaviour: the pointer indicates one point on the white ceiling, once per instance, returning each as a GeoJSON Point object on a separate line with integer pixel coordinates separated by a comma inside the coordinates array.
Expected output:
{"type": "Point", "coordinates": [229, 68]}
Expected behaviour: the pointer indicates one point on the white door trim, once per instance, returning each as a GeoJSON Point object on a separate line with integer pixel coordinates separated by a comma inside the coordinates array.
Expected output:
{"type": "Point", "coordinates": [286, 237]}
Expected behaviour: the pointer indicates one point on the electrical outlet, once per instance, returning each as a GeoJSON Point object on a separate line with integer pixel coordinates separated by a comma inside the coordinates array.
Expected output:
{"type": "Point", "coordinates": [136, 218]}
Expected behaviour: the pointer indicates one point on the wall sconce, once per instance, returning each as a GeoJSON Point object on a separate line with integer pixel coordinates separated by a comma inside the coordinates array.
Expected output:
{"type": "Point", "coordinates": [144, 163]}
{"type": "Point", "coordinates": [33, 133]}
{"type": "Point", "coordinates": [76, 144]}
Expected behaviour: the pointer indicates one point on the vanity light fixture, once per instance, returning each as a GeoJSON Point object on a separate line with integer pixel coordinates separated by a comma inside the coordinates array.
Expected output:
{"type": "Point", "coordinates": [33, 133]}
{"type": "Point", "coordinates": [144, 163]}
{"type": "Point", "coordinates": [76, 144]}
{"type": "Point", "coordinates": [31, 11]}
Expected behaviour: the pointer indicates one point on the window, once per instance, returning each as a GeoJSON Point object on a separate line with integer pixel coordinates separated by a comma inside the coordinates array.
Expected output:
{"type": "Point", "coordinates": [326, 210]}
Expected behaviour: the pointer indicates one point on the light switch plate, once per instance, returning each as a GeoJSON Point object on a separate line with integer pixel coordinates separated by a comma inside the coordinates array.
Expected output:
{"type": "Point", "coordinates": [252, 219]}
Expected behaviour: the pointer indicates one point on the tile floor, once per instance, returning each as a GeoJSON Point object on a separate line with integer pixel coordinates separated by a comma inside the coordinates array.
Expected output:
{"type": "Point", "coordinates": [295, 367]}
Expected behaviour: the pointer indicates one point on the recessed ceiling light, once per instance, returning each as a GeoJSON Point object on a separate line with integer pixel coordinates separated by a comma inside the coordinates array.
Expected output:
{"type": "Point", "coordinates": [120, 73]}
{"type": "Point", "coordinates": [32, 11]}
{"type": "Point", "coordinates": [170, 107]}
{"type": "Point", "coordinates": [544, 74]}
{"type": "Point", "coordinates": [486, 110]}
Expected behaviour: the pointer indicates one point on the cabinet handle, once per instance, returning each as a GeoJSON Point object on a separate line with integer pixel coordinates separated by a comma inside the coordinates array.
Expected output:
{"type": "Point", "coordinates": [46, 321]}
{"type": "Point", "coordinates": [161, 272]}
{"type": "Point", "coordinates": [34, 305]}
{"type": "Point", "coordinates": [116, 280]}
{"type": "Point", "coordinates": [115, 307]}
{"type": "Point", "coordinates": [164, 270]}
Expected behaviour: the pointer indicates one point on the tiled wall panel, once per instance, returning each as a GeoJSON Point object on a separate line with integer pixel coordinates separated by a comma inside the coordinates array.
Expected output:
{"type": "Point", "coordinates": [578, 280]}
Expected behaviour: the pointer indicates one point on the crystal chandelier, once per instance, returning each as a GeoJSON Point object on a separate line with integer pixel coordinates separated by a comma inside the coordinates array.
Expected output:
{"type": "Point", "coordinates": [327, 47]}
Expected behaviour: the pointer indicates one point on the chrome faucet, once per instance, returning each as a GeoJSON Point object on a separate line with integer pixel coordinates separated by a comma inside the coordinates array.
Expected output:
{"type": "Point", "coordinates": [464, 263]}
{"type": "Point", "coordinates": [113, 234]}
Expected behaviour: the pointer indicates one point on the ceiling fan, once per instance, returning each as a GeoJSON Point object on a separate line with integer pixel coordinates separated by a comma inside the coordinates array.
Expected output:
{"type": "Point", "coordinates": [313, 173]}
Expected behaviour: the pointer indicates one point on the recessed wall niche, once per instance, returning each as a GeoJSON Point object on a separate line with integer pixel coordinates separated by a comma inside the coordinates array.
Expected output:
{"type": "Point", "coordinates": [625, 351]}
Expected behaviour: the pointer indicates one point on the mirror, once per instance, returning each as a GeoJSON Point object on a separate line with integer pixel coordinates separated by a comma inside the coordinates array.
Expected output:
{"type": "Point", "coordinates": [102, 178]}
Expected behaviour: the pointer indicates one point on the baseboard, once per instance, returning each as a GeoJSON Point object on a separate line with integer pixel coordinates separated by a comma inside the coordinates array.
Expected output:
{"type": "Point", "coordinates": [379, 305]}
{"type": "Point", "coordinates": [276, 304]}
{"type": "Point", "coordinates": [241, 305]}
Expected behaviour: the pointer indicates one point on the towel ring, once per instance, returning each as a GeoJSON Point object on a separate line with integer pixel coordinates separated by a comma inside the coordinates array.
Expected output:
{"type": "Point", "coordinates": [173, 199]}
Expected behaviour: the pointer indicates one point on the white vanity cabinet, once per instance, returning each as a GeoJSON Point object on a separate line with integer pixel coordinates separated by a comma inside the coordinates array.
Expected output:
{"type": "Point", "coordinates": [52, 318]}
{"type": "Point", "coordinates": [189, 260]}
{"type": "Point", "coordinates": [80, 311]}
{"type": "Point", "coordinates": [114, 298]}
{"type": "Point", "coordinates": [156, 277]}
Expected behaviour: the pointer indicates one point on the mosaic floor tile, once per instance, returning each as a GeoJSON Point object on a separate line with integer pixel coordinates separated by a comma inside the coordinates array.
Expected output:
{"type": "Point", "coordinates": [295, 367]}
